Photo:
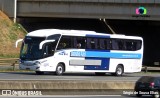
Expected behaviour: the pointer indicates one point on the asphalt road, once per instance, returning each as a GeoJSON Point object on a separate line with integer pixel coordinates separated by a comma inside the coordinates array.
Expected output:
{"type": "Point", "coordinates": [70, 76]}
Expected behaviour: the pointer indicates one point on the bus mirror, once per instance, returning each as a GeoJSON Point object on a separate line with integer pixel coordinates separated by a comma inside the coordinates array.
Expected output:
{"type": "Point", "coordinates": [19, 40]}
{"type": "Point", "coordinates": [43, 42]}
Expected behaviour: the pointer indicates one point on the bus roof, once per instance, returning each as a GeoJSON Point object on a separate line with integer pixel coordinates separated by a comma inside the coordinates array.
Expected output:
{"type": "Point", "coordinates": [48, 32]}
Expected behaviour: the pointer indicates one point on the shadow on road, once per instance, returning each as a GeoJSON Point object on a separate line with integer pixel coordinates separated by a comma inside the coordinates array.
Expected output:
{"type": "Point", "coordinates": [71, 74]}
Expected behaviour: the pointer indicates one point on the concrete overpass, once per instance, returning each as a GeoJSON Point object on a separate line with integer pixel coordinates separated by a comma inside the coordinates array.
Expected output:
{"type": "Point", "coordinates": [109, 9]}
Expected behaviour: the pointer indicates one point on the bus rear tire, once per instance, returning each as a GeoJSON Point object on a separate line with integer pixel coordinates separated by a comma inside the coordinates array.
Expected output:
{"type": "Point", "coordinates": [119, 71]}
{"type": "Point", "coordinates": [39, 72]}
{"type": "Point", "coordinates": [59, 69]}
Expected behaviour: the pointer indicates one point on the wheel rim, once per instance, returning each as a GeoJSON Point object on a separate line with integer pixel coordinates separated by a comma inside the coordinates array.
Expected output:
{"type": "Point", "coordinates": [119, 71]}
{"type": "Point", "coordinates": [59, 69]}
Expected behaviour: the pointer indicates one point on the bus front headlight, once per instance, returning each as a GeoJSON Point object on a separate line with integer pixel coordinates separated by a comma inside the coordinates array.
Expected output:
{"type": "Point", "coordinates": [37, 63]}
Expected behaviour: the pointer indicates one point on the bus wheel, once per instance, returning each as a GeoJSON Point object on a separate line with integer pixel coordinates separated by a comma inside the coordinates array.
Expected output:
{"type": "Point", "coordinates": [119, 70]}
{"type": "Point", "coordinates": [39, 72]}
{"type": "Point", "coordinates": [59, 69]}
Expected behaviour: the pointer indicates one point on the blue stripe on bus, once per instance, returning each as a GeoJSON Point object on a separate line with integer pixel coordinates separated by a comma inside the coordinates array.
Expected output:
{"type": "Point", "coordinates": [104, 64]}
{"type": "Point", "coordinates": [113, 55]}
{"type": "Point", "coordinates": [105, 54]}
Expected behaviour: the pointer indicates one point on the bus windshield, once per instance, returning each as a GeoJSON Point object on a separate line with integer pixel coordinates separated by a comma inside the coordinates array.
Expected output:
{"type": "Point", "coordinates": [30, 48]}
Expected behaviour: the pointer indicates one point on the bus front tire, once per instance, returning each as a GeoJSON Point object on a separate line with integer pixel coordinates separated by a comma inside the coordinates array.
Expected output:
{"type": "Point", "coordinates": [59, 69]}
{"type": "Point", "coordinates": [119, 71]}
{"type": "Point", "coordinates": [39, 72]}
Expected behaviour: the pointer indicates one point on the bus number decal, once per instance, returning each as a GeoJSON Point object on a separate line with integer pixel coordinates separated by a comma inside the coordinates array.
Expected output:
{"type": "Point", "coordinates": [78, 54]}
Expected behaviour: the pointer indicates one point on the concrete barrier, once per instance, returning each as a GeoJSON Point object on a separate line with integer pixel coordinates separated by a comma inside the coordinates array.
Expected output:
{"type": "Point", "coordinates": [65, 84]}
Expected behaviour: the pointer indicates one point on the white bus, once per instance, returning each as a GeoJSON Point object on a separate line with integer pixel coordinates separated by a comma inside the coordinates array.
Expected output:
{"type": "Point", "coordinates": [59, 51]}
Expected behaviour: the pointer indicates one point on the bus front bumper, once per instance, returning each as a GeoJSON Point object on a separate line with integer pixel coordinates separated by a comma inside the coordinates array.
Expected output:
{"type": "Point", "coordinates": [31, 67]}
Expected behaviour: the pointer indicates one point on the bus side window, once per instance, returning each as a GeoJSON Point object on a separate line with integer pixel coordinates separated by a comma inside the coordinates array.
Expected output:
{"type": "Point", "coordinates": [134, 44]}
{"type": "Point", "coordinates": [129, 45]}
{"type": "Point", "coordinates": [121, 44]}
{"type": "Point", "coordinates": [88, 43]}
{"type": "Point", "coordinates": [138, 45]}
{"type": "Point", "coordinates": [115, 44]}
{"type": "Point", "coordinates": [82, 43]}
{"type": "Point", "coordinates": [108, 44]}
{"type": "Point", "coordinates": [79, 42]}
{"type": "Point", "coordinates": [61, 45]}
{"type": "Point", "coordinates": [101, 43]}
{"type": "Point", "coordinates": [49, 49]}
{"type": "Point", "coordinates": [92, 43]}
{"type": "Point", "coordinates": [75, 42]}
{"type": "Point", "coordinates": [95, 41]}
{"type": "Point", "coordinates": [65, 42]}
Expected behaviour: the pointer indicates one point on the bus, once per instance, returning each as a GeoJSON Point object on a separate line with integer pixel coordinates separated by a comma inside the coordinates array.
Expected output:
{"type": "Point", "coordinates": [62, 51]}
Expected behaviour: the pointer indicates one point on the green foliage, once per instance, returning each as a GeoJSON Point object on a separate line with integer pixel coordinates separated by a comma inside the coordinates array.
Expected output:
{"type": "Point", "coordinates": [22, 28]}
{"type": "Point", "coordinates": [14, 28]}
{"type": "Point", "coordinates": [12, 36]}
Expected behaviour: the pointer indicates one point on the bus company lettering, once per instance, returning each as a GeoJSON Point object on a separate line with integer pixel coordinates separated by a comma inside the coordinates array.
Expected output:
{"type": "Point", "coordinates": [129, 55]}
{"type": "Point", "coordinates": [78, 54]}
{"type": "Point", "coordinates": [63, 53]}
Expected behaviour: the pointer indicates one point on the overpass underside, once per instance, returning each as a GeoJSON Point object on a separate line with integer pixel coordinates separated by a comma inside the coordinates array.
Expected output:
{"type": "Point", "coordinates": [109, 9]}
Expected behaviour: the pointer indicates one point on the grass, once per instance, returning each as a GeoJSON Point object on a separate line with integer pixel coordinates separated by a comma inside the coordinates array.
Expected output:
{"type": "Point", "coordinates": [9, 33]}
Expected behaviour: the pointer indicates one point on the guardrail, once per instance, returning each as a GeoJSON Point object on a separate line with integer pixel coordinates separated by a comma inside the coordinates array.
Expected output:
{"type": "Point", "coordinates": [8, 61]}
{"type": "Point", "coordinates": [151, 69]}
{"type": "Point", "coordinates": [4, 62]}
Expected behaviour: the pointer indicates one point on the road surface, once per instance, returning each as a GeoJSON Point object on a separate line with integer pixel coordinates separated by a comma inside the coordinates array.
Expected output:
{"type": "Point", "coordinates": [69, 76]}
